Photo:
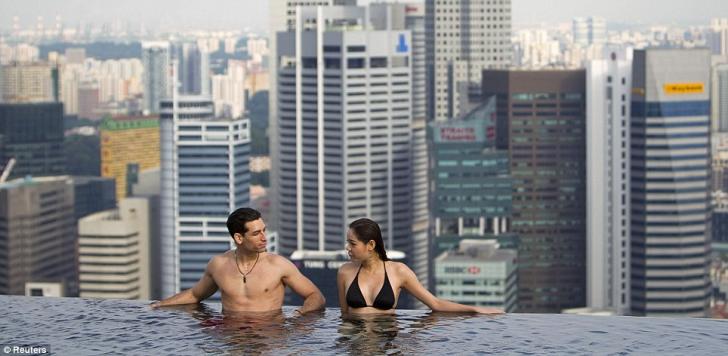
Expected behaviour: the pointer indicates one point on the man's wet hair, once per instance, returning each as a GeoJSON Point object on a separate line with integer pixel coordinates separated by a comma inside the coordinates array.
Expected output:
{"type": "Point", "coordinates": [237, 220]}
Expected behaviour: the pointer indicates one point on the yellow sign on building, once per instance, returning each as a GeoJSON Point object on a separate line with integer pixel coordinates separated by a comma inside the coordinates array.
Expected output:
{"type": "Point", "coordinates": [684, 88]}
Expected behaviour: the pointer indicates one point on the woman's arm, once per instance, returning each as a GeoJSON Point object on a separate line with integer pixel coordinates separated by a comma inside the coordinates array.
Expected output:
{"type": "Point", "coordinates": [341, 284]}
{"type": "Point", "coordinates": [414, 287]}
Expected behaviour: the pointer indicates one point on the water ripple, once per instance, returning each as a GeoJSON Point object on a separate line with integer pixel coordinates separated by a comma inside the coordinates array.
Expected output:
{"type": "Point", "coordinates": [87, 327]}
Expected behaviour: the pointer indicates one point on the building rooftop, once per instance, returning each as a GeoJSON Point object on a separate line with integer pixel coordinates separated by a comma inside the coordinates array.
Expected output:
{"type": "Point", "coordinates": [483, 250]}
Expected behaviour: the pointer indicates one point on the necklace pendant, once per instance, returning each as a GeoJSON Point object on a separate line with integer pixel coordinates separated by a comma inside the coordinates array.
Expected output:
{"type": "Point", "coordinates": [245, 279]}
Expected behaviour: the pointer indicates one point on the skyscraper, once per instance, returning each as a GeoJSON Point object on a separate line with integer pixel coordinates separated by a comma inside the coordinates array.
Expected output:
{"type": "Point", "coordinates": [589, 31]}
{"type": "Point", "coordinates": [93, 194]}
{"type": "Point", "coordinates": [411, 16]}
{"type": "Point", "coordinates": [478, 272]}
{"type": "Point", "coordinates": [114, 252]}
{"type": "Point", "coordinates": [157, 86]}
{"type": "Point", "coordinates": [37, 234]}
{"type": "Point", "coordinates": [719, 97]}
{"type": "Point", "coordinates": [194, 69]}
{"type": "Point", "coordinates": [205, 176]}
{"type": "Point", "coordinates": [282, 17]}
{"type": "Point", "coordinates": [463, 37]}
{"type": "Point", "coordinates": [27, 83]}
{"type": "Point", "coordinates": [472, 186]}
{"type": "Point", "coordinates": [344, 118]}
{"type": "Point", "coordinates": [609, 85]}
{"type": "Point", "coordinates": [128, 140]}
{"type": "Point", "coordinates": [33, 135]}
{"type": "Point", "coordinates": [542, 123]}
{"type": "Point", "coordinates": [670, 165]}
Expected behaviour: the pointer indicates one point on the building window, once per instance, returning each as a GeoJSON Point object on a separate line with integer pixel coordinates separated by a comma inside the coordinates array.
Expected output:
{"type": "Point", "coordinates": [355, 63]}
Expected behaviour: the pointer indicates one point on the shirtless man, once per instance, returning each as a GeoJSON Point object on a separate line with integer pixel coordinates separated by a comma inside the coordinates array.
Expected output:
{"type": "Point", "coordinates": [249, 278]}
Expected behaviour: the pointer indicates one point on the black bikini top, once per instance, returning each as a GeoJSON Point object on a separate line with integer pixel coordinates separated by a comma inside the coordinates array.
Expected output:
{"type": "Point", "coordinates": [384, 300]}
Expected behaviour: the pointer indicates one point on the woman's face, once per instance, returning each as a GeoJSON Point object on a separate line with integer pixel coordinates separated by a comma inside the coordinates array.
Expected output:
{"type": "Point", "coordinates": [357, 249]}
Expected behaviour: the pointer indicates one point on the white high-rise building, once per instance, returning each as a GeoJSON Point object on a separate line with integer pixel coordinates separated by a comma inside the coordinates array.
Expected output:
{"type": "Point", "coordinates": [589, 31]}
{"type": "Point", "coordinates": [719, 36]}
{"type": "Point", "coordinates": [580, 31]}
{"type": "Point", "coordinates": [156, 62]}
{"type": "Point", "coordinates": [411, 16]}
{"type": "Point", "coordinates": [719, 94]}
{"type": "Point", "coordinates": [228, 90]}
{"type": "Point", "coordinates": [344, 114]}
{"type": "Point", "coordinates": [463, 38]}
{"type": "Point", "coordinates": [670, 182]}
{"type": "Point", "coordinates": [205, 176]}
{"type": "Point", "coordinates": [282, 17]}
{"type": "Point", "coordinates": [114, 252]}
{"type": "Point", "coordinates": [609, 85]}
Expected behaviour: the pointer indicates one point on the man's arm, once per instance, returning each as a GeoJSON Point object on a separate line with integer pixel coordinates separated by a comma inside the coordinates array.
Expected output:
{"type": "Point", "coordinates": [312, 298]}
{"type": "Point", "coordinates": [202, 290]}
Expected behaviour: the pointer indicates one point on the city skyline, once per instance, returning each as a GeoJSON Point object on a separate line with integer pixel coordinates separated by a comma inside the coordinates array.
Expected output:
{"type": "Point", "coordinates": [228, 14]}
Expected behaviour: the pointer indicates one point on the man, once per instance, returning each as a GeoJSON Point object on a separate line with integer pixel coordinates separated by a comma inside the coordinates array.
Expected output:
{"type": "Point", "coordinates": [249, 278]}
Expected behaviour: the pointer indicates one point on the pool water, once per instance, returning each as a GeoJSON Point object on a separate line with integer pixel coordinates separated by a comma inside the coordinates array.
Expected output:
{"type": "Point", "coordinates": [74, 326]}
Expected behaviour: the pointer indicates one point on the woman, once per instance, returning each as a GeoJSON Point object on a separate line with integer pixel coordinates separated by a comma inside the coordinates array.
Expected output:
{"type": "Point", "coordinates": [372, 283]}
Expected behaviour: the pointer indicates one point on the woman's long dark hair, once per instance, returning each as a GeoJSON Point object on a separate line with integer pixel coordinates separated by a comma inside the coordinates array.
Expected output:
{"type": "Point", "coordinates": [367, 230]}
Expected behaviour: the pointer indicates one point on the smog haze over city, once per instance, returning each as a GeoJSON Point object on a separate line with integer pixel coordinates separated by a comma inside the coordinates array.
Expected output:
{"type": "Point", "coordinates": [253, 14]}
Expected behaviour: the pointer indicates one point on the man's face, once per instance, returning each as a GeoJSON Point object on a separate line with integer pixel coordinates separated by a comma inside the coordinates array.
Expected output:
{"type": "Point", "coordinates": [254, 238]}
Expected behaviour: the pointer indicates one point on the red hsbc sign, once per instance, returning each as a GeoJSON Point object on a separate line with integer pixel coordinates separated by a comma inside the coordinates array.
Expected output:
{"type": "Point", "coordinates": [474, 270]}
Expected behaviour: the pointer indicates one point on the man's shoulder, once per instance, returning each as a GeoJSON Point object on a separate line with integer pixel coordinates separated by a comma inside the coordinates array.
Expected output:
{"type": "Point", "coordinates": [277, 260]}
{"type": "Point", "coordinates": [221, 258]}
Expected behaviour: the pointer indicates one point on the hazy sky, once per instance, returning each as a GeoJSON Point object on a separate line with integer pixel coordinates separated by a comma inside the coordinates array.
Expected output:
{"type": "Point", "coordinates": [239, 14]}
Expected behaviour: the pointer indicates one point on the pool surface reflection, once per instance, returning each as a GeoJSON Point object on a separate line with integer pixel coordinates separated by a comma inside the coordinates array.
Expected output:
{"type": "Point", "coordinates": [83, 326]}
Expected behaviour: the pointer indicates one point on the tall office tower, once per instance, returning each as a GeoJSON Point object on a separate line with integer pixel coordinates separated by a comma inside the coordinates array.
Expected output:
{"type": "Point", "coordinates": [472, 187]}
{"type": "Point", "coordinates": [597, 30]}
{"type": "Point", "coordinates": [411, 16]}
{"type": "Point", "coordinates": [204, 177]}
{"type": "Point", "coordinates": [478, 272]}
{"type": "Point", "coordinates": [719, 94]}
{"type": "Point", "coordinates": [589, 31]}
{"type": "Point", "coordinates": [580, 31]}
{"type": "Point", "coordinates": [93, 194]}
{"type": "Point", "coordinates": [194, 69]}
{"type": "Point", "coordinates": [27, 83]}
{"type": "Point", "coordinates": [542, 123]}
{"type": "Point", "coordinates": [344, 115]}
{"type": "Point", "coordinates": [114, 252]}
{"type": "Point", "coordinates": [464, 37]}
{"type": "Point", "coordinates": [37, 234]}
{"type": "Point", "coordinates": [282, 17]}
{"type": "Point", "coordinates": [229, 90]}
{"type": "Point", "coordinates": [719, 36]}
{"type": "Point", "coordinates": [33, 135]}
{"type": "Point", "coordinates": [147, 186]}
{"type": "Point", "coordinates": [157, 86]}
{"type": "Point", "coordinates": [128, 140]}
{"type": "Point", "coordinates": [609, 85]}
{"type": "Point", "coordinates": [670, 134]}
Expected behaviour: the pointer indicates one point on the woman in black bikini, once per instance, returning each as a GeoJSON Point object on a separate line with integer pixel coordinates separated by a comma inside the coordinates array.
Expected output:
{"type": "Point", "coordinates": [371, 283]}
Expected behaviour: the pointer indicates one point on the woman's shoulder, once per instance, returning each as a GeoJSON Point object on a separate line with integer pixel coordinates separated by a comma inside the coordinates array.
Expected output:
{"type": "Point", "coordinates": [348, 266]}
{"type": "Point", "coordinates": [399, 267]}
